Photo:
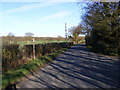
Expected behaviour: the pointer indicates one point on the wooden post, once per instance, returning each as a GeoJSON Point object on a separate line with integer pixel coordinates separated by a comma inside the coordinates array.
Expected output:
{"type": "Point", "coordinates": [33, 48]}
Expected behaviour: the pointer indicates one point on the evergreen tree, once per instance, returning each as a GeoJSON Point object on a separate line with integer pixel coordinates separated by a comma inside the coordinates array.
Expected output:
{"type": "Point", "coordinates": [102, 23]}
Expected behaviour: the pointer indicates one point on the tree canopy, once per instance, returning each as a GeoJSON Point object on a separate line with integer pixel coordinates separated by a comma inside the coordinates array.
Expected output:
{"type": "Point", "coordinates": [102, 23]}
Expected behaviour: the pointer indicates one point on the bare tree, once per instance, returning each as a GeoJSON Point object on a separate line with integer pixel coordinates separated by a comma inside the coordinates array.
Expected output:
{"type": "Point", "coordinates": [9, 36]}
{"type": "Point", "coordinates": [29, 34]}
{"type": "Point", "coordinates": [74, 33]}
{"type": "Point", "coordinates": [59, 37]}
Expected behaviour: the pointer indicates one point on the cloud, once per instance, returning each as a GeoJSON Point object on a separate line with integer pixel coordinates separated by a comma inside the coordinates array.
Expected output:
{"type": "Point", "coordinates": [55, 15]}
{"type": "Point", "coordinates": [29, 7]}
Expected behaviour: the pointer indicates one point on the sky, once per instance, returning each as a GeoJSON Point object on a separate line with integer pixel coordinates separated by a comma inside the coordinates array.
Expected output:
{"type": "Point", "coordinates": [43, 19]}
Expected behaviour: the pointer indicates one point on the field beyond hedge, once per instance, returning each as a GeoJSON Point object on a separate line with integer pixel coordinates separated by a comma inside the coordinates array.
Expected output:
{"type": "Point", "coordinates": [29, 40]}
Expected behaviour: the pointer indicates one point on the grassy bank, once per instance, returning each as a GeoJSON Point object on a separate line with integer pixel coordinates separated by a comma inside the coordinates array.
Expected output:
{"type": "Point", "coordinates": [15, 75]}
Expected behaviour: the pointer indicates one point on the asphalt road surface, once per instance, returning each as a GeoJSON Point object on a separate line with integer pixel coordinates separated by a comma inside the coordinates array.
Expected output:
{"type": "Point", "coordinates": [76, 68]}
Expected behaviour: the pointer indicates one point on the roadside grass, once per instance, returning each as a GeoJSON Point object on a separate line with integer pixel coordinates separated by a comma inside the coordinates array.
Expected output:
{"type": "Point", "coordinates": [15, 75]}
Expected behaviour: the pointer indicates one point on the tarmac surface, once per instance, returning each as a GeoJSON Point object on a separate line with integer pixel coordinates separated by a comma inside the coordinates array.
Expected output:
{"type": "Point", "coordinates": [76, 68]}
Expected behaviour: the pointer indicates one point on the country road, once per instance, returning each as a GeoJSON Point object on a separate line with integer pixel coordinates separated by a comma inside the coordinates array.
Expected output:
{"type": "Point", "coordinates": [76, 68]}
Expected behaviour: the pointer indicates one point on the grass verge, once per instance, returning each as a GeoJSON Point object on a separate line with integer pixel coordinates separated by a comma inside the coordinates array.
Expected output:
{"type": "Point", "coordinates": [15, 75]}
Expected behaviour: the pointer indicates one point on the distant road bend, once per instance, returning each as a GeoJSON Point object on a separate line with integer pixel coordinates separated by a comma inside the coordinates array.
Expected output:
{"type": "Point", "coordinates": [76, 68]}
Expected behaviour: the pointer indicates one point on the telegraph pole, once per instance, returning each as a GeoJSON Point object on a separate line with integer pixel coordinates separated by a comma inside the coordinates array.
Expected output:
{"type": "Point", "coordinates": [65, 32]}
{"type": "Point", "coordinates": [33, 48]}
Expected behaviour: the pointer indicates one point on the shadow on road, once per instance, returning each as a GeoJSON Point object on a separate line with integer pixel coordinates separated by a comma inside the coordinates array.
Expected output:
{"type": "Point", "coordinates": [79, 68]}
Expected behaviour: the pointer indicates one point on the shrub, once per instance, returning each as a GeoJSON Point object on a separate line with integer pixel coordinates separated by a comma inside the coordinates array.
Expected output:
{"type": "Point", "coordinates": [38, 50]}
{"type": "Point", "coordinates": [14, 55]}
{"type": "Point", "coordinates": [10, 53]}
{"type": "Point", "coordinates": [28, 51]}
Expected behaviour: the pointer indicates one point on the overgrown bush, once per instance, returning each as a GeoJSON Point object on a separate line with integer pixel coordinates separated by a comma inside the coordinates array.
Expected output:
{"type": "Point", "coordinates": [14, 55]}
{"type": "Point", "coordinates": [38, 50]}
{"type": "Point", "coordinates": [28, 51]}
{"type": "Point", "coordinates": [10, 54]}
